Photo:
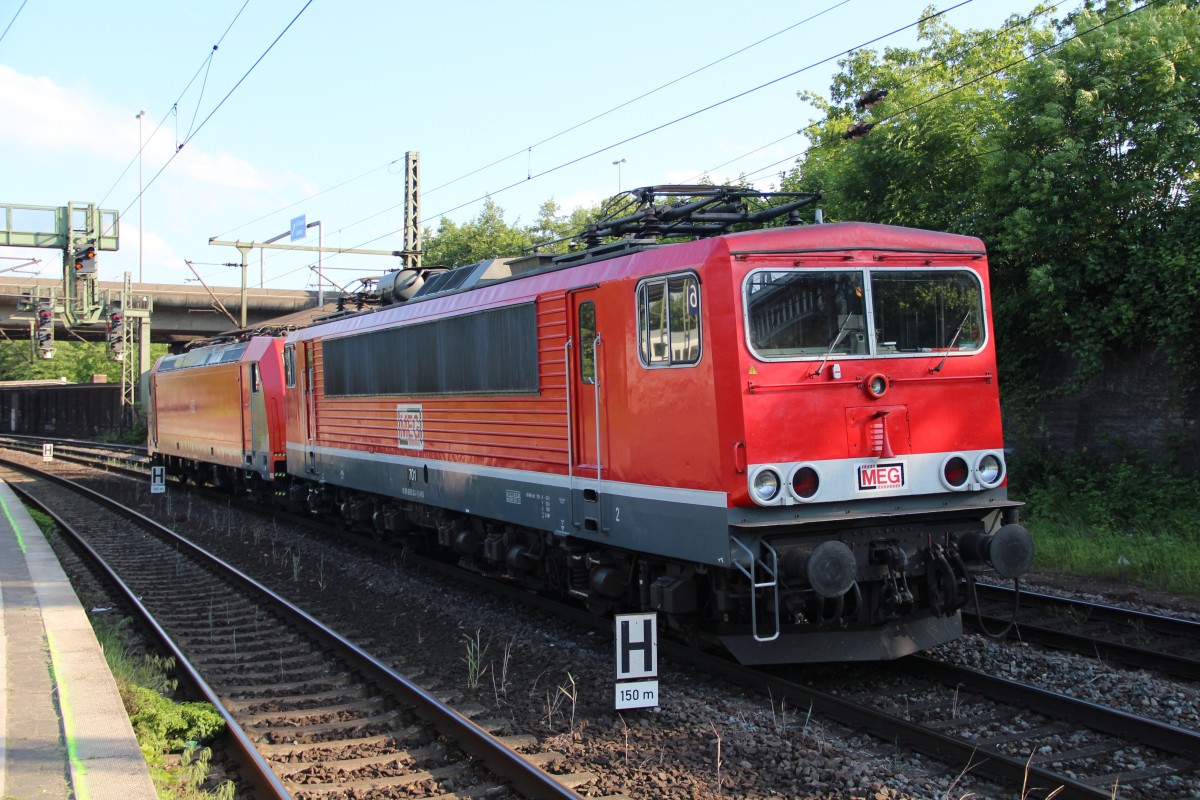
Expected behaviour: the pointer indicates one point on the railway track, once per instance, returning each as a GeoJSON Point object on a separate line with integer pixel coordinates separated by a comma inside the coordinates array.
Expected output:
{"type": "Point", "coordinates": [125, 459]}
{"type": "Point", "coordinates": [1021, 736]}
{"type": "Point", "coordinates": [1122, 635]}
{"type": "Point", "coordinates": [313, 715]}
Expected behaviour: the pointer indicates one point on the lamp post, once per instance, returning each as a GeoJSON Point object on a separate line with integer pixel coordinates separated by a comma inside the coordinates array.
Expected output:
{"type": "Point", "coordinates": [140, 114]}
{"type": "Point", "coordinates": [618, 164]}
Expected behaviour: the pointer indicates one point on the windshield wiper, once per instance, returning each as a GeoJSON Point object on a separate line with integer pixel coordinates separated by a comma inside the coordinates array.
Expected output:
{"type": "Point", "coordinates": [841, 334]}
{"type": "Point", "coordinates": [953, 340]}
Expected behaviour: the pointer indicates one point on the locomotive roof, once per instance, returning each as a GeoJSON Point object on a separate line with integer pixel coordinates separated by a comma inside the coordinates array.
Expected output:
{"type": "Point", "coordinates": [509, 280]}
{"type": "Point", "coordinates": [852, 236]}
{"type": "Point", "coordinates": [252, 349]}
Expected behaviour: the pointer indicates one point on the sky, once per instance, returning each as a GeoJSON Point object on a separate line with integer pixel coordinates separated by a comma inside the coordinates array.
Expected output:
{"type": "Point", "coordinates": [260, 111]}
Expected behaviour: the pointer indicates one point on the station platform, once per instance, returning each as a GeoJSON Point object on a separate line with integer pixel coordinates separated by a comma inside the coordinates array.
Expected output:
{"type": "Point", "coordinates": [63, 730]}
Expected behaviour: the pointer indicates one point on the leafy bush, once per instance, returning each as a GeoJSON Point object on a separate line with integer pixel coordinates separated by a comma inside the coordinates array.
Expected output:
{"type": "Point", "coordinates": [163, 725]}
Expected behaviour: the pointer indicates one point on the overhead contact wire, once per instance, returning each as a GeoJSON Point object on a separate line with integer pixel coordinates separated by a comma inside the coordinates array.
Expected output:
{"type": "Point", "coordinates": [219, 104]}
{"type": "Point", "coordinates": [528, 149]}
{"type": "Point", "coordinates": [642, 96]}
{"type": "Point", "coordinates": [174, 107]}
{"type": "Point", "coordinates": [677, 119]}
{"type": "Point", "coordinates": [971, 82]}
{"type": "Point", "coordinates": [14, 19]}
{"type": "Point", "coordinates": [943, 62]}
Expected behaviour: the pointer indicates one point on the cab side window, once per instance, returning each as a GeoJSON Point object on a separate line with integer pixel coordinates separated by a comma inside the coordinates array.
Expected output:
{"type": "Point", "coordinates": [289, 366]}
{"type": "Point", "coordinates": [668, 310]}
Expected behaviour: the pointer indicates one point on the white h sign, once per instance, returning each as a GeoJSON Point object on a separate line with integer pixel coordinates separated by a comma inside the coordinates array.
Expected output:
{"type": "Point", "coordinates": [48, 451]}
{"type": "Point", "coordinates": [158, 480]}
{"type": "Point", "coordinates": [637, 657]}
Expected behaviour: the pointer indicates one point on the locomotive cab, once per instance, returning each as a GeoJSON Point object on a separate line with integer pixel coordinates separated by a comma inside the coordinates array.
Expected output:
{"type": "Point", "coordinates": [874, 477]}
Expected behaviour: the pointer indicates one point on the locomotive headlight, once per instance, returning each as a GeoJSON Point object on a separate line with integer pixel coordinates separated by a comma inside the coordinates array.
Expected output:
{"type": "Point", "coordinates": [765, 486]}
{"type": "Point", "coordinates": [876, 385]}
{"type": "Point", "coordinates": [805, 483]}
{"type": "Point", "coordinates": [955, 472]}
{"type": "Point", "coordinates": [990, 470]}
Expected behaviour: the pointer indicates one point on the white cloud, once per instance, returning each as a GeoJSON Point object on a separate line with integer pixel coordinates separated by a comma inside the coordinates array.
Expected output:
{"type": "Point", "coordinates": [50, 118]}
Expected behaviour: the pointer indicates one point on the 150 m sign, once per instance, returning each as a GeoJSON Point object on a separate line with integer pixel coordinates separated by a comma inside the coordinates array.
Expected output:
{"type": "Point", "coordinates": [410, 427]}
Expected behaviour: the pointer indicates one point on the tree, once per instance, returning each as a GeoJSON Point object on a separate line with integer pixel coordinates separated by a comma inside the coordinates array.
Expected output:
{"type": "Point", "coordinates": [923, 161]}
{"type": "Point", "coordinates": [485, 236]}
{"type": "Point", "coordinates": [1093, 182]}
{"type": "Point", "coordinates": [1070, 147]}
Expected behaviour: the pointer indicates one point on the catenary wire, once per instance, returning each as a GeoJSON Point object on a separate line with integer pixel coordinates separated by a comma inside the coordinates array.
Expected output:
{"type": "Point", "coordinates": [891, 117]}
{"type": "Point", "coordinates": [563, 165]}
{"type": "Point", "coordinates": [216, 108]}
{"type": "Point", "coordinates": [552, 137]}
{"type": "Point", "coordinates": [576, 160]}
{"type": "Point", "coordinates": [925, 18]}
{"type": "Point", "coordinates": [635, 99]}
{"type": "Point", "coordinates": [667, 124]}
{"type": "Point", "coordinates": [14, 19]}
{"type": "Point", "coordinates": [1039, 11]}
{"type": "Point", "coordinates": [174, 106]}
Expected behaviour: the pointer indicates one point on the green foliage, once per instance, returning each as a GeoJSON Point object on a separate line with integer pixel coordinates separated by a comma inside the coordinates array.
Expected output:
{"type": "Point", "coordinates": [1134, 519]}
{"type": "Point", "coordinates": [164, 725]}
{"type": "Point", "coordinates": [488, 235]}
{"type": "Point", "coordinates": [1069, 146]}
{"type": "Point", "coordinates": [1092, 188]}
{"type": "Point", "coordinates": [161, 725]}
{"type": "Point", "coordinates": [75, 360]}
{"type": "Point", "coordinates": [485, 236]}
{"type": "Point", "coordinates": [45, 523]}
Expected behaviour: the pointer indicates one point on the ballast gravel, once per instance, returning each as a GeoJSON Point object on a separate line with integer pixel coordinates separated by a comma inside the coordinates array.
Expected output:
{"type": "Point", "coordinates": [554, 681]}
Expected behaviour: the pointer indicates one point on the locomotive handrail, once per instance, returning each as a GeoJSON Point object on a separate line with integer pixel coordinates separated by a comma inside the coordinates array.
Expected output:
{"type": "Point", "coordinates": [771, 569]}
{"type": "Point", "coordinates": [753, 388]}
{"type": "Point", "coordinates": [599, 461]}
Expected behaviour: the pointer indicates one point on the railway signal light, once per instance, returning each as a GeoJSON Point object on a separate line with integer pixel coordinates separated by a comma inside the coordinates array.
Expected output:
{"type": "Point", "coordinates": [44, 332]}
{"type": "Point", "coordinates": [116, 332]}
{"type": "Point", "coordinates": [85, 261]}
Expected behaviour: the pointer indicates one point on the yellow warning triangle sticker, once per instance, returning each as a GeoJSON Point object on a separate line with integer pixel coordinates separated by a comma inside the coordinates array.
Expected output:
{"type": "Point", "coordinates": [753, 371]}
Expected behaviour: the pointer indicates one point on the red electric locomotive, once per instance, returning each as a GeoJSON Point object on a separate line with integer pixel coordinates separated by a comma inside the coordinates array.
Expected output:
{"type": "Point", "coordinates": [216, 414]}
{"type": "Point", "coordinates": [784, 440]}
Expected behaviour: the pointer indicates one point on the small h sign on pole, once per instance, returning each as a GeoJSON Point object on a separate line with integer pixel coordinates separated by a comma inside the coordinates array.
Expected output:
{"type": "Point", "coordinates": [158, 480]}
{"type": "Point", "coordinates": [637, 657]}
{"type": "Point", "coordinates": [48, 451]}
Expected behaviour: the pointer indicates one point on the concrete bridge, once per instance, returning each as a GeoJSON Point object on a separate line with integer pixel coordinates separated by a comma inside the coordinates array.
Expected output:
{"type": "Point", "coordinates": [181, 313]}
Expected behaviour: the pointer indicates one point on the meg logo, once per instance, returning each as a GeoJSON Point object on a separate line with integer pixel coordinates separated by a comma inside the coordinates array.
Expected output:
{"type": "Point", "coordinates": [410, 426]}
{"type": "Point", "coordinates": [883, 475]}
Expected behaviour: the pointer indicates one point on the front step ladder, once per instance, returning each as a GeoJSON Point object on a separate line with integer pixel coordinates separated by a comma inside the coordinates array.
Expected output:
{"type": "Point", "coordinates": [771, 573]}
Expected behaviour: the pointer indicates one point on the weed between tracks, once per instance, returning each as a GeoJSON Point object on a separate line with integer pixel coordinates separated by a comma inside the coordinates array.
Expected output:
{"type": "Point", "coordinates": [170, 734]}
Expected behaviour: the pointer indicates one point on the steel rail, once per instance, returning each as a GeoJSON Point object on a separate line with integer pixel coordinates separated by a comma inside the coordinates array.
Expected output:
{"type": "Point", "coordinates": [505, 762]}
{"type": "Point", "coordinates": [947, 748]}
{"type": "Point", "coordinates": [1106, 719]}
{"type": "Point", "coordinates": [951, 750]}
{"type": "Point", "coordinates": [1104, 648]}
{"type": "Point", "coordinates": [944, 747]}
{"type": "Point", "coordinates": [258, 771]}
{"type": "Point", "coordinates": [1100, 612]}
{"type": "Point", "coordinates": [132, 449]}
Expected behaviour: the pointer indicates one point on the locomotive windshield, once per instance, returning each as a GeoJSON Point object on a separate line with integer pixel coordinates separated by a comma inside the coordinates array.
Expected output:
{"type": "Point", "coordinates": [815, 313]}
